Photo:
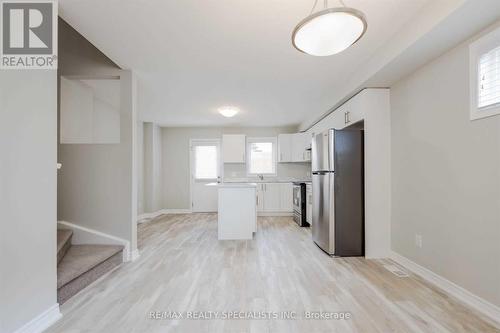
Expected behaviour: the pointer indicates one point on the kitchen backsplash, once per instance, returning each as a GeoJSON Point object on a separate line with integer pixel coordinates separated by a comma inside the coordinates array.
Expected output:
{"type": "Point", "coordinates": [299, 171]}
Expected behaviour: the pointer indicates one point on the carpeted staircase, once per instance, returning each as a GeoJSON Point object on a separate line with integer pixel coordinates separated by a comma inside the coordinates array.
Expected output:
{"type": "Point", "coordinates": [80, 265]}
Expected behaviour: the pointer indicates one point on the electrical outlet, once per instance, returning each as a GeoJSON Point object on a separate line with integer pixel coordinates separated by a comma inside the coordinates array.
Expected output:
{"type": "Point", "coordinates": [418, 240]}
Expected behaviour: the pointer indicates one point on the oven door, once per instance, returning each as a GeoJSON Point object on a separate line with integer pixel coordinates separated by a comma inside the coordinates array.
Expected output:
{"type": "Point", "coordinates": [297, 200]}
{"type": "Point", "coordinates": [297, 217]}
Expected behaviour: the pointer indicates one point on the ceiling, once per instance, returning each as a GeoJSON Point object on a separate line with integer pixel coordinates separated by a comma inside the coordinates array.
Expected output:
{"type": "Point", "coordinates": [193, 56]}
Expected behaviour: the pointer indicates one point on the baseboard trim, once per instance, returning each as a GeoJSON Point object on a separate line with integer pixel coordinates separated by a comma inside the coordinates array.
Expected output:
{"type": "Point", "coordinates": [263, 214]}
{"type": "Point", "coordinates": [83, 235]}
{"type": "Point", "coordinates": [488, 309]}
{"type": "Point", "coordinates": [134, 255]}
{"type": "Point", "coordinates": [146, 217]}
{"type": "Point", "coordinates": [42, 321]}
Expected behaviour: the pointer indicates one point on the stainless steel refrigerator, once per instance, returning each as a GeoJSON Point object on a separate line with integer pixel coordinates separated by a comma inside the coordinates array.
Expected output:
{"type": "Point", "coordinates": [338, 192]}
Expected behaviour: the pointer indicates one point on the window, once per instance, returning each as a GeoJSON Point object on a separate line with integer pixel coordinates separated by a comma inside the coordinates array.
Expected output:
{"type": "Point", "coordinates": [261, 156]}
{"type": "Point", "coordinates": [485, 76]}
{"type": "Point", "coordinates": [206, 162]}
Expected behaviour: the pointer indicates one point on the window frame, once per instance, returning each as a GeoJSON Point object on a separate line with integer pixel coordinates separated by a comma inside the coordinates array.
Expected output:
{"type": "Point", "coordinates": [274, 141]}
{"type": "Point", "coordinates": [205, 142]}
{"type": "Point", "coordinates": [477, 49]}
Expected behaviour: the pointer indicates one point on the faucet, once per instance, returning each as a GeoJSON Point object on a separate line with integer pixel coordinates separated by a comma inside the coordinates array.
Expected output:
{"type": "Point", "coordinates": [261, 177]}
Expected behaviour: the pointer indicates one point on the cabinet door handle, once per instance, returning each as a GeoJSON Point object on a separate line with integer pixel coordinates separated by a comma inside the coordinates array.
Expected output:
{"type": "Point", "coordinates": [257, 197]}
{"type": "Point", "coordinates": [347, 120]}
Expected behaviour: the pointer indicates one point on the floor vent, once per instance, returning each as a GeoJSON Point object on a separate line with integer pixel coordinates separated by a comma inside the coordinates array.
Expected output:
{"type": "Point", "coordinates": [399, 272]}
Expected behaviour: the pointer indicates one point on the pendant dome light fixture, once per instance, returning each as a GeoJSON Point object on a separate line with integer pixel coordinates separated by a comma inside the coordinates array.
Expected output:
{"type": "Point", "coordinates": [329, 31]}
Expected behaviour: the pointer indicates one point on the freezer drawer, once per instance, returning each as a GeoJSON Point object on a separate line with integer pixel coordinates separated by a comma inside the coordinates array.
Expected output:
{"type": "Point", "coordinates": [323, 219]}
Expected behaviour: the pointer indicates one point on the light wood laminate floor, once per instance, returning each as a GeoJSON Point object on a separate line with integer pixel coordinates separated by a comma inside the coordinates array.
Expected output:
{"type": "Point", "coordinates": [183, 267]}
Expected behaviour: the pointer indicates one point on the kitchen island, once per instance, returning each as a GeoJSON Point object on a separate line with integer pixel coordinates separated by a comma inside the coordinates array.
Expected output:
{"type": "Point", "coordinates": [237, 210]}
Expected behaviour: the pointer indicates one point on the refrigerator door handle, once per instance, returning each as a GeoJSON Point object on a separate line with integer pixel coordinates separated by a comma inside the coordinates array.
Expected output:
{"type": "Point", "coordinates": [333, 222]}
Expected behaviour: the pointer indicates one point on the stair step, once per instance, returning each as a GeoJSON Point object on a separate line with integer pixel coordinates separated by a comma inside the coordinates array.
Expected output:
{"type": "Point", "coordinates": [82, 265]}
{"type": "Point", "coordinates": [63, 243]}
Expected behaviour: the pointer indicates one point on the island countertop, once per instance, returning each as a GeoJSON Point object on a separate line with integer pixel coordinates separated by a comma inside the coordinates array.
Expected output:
{"type": "Point", "coordinates": [236, 210]}
{"type": "Point", "coordinates": [267, 180]}
{"type": "Point", "coordinates": [229, 185]}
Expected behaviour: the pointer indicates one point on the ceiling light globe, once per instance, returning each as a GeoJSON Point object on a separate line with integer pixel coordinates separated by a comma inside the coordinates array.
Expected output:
{"type": "Point", "coordinates": [228, 111]}
{"type": "Point", "coordinates": [329, 31]}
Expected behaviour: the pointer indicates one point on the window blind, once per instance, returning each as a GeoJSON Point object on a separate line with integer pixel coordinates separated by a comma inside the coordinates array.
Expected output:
{"type": "Point", "coordinates": [489, 78]}
{"type": "Point", "coordinates": [205, 162]}
{"type": "Point", "coordinates": [261, 158]}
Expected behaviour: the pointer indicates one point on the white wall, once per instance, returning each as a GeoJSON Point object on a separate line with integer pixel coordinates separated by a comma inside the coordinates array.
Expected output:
{"type": "Point", "coordinates": [28, 128]}
{"type": "Point", "coordinates": [76, 104]}
{"type": "Point", "coordinates": [152, 168]}
{"type": "Point", "coordinates": [446, 177]}
{"type": "Point", "coordinates": [377, 172]}
{"type": "Point", "coordinates": [140, 167]}
{"type": "Point", "coordinates": [97, 185]}
{"type": "Point", "coordinates": [95, 182]}
{"type": "Point", "coordinates": [175, 160]}
{"type": "Point", "coordinates": [84, 116]}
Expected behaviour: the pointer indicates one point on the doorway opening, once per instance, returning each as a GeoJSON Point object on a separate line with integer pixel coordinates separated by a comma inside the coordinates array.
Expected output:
{"type": "Point", "coordinates": [205, 162]}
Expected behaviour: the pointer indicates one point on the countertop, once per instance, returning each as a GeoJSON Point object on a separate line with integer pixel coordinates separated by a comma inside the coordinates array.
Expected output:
{"type": "Point", "coordinates": [234, 185]}
{"type": "Point", "coordinates": [270, 180]}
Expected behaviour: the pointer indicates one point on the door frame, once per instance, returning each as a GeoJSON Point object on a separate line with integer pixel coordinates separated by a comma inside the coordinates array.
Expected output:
{"type": "Point", "coordinates": [191, 165]}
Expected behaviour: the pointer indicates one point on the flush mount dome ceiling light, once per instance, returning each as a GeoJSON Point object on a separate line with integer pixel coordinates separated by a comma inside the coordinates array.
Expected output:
{"type": "Point", "coordinates": [228, 111]}
{"type": "Point", "coordinates": [329, 31]}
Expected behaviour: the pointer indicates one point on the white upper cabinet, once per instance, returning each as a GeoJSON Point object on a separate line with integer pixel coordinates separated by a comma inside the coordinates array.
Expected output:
{"type": "Point", "coordinates": [233, 148]}
{"type": "Point", "coordinates": [353, 111]}
{"type": "Point", "coordinates": [285, 147]}
{"type": "Point", "coordinates": [345, 115]}
{"type": "Point", "coordinates": [339, 117]}
{"type": "Point", "coordinates": [301, 142]}
{"type": "Point", "coordinates": [294, 147]}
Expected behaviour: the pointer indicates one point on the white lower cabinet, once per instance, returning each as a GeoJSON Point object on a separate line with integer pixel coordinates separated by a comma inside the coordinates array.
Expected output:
{"type": "Point", "coordinates": [274, 197]}
{"type": "Point", "coordinates": [260, 197]}
{"type": "Point", "coordinates": [286, 197]}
